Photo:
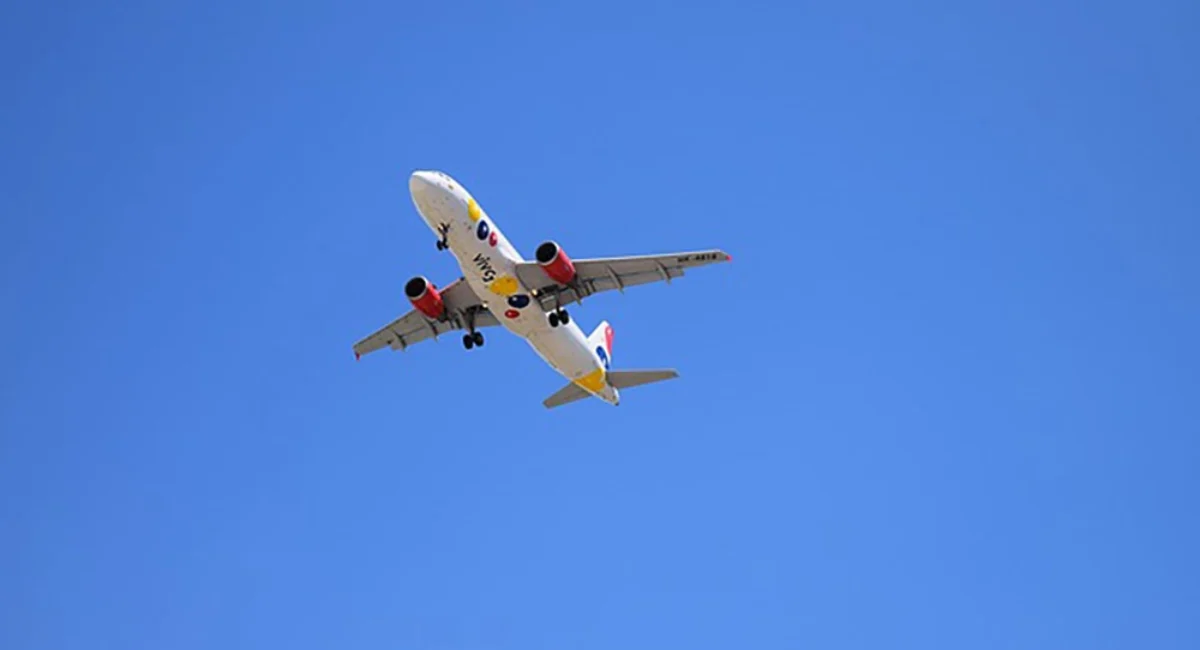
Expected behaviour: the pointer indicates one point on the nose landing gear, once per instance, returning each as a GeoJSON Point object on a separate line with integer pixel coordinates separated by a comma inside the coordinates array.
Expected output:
{"type": "Point", "coordinates": [443, 229]}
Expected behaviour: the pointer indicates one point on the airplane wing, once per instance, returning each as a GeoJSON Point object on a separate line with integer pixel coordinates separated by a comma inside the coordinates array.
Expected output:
{"type": "Point", "coordinates": [595, 275]}
{"type": "Point", "coordinates": [413, 327]}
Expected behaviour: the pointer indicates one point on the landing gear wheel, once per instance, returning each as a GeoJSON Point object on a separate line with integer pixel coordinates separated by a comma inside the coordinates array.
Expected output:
{"type": "Point", "coordinates": [564, 316]}
{"type": "Point", "coordinates": [441, 245]}
{"type": "Point", "coordinates": [468, 341]}
{"type": "Point", "coordinates": [553, 319]}
{"type": "Point", "coordinates": [477, 337]}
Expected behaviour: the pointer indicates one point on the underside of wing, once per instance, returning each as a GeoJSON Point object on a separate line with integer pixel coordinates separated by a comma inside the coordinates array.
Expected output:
{"type": "Point", "coordinates": [596, 275]}
{"type": "Point", "coordinates": [463, 309]}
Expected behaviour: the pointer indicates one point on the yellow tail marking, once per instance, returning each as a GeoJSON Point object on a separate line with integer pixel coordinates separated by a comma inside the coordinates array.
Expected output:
{"type": "Point", "coordinates": [593, 381]}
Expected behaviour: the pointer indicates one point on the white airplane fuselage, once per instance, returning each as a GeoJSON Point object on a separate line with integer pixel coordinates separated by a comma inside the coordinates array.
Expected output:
{"type": "Point", "coordinates": [488, 262]}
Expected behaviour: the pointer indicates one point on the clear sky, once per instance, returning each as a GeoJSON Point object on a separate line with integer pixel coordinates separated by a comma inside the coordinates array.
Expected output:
{"type": "Point", "coordinates": [946, 396]}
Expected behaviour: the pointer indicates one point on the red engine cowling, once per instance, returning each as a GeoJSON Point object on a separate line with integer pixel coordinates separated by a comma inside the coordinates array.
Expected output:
{"type": "Point", "coordinates": [425, 297]}
{"type": "Point", "coordinates": [555, 263]}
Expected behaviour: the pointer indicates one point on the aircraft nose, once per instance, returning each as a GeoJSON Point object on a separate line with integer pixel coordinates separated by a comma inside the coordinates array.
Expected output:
{"type": "Point", "coordinates": [420, 181]}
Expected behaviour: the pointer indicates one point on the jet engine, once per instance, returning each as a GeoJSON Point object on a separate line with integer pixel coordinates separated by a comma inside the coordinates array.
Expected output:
{"type": "Point", "coordinates": [555, 263]}
{"type": "Point", "coordinates": [425, 297]}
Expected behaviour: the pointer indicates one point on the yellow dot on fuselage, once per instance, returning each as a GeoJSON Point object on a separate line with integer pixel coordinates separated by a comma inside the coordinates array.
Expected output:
{"type": "Point", "coordinates": [505, 285]}
{"type": "Point", "coordinates": [473, 210]}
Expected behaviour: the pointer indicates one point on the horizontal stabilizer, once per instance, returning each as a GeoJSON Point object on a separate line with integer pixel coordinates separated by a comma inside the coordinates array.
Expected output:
{"type": "Point", "coordinates": [565, 395]}
{"type": "Point", "coordinates": [630, 378]}
{"type": "Point", "coordinates": [616, 378]}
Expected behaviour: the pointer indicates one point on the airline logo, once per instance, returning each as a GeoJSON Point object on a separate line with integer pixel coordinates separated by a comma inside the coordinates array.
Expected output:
{"type": "Point", "coordinates": [603, 354]}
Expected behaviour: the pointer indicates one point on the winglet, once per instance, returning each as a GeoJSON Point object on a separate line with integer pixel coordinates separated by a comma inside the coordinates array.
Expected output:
{"type": "Point", "coordinates": [357, 356]}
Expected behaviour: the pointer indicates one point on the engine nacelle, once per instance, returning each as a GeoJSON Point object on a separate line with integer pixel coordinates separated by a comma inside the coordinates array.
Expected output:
{"type": "Point", "coordinates": [555, 263]}
{"type": "Point", "coordinates": [425, 297]}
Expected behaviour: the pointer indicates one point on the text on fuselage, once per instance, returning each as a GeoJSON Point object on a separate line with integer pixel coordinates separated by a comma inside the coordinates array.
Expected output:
{"type": "Point", "coordinates": [484, 263]}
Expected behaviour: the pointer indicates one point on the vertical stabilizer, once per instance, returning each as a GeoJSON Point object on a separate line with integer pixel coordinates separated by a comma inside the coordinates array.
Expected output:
{"type": "Point", "coordinates": [601, 342]}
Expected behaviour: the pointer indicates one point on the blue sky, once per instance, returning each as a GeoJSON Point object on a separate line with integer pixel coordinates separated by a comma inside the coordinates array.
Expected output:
{"type": "Point", "coordinates": [946, 395]}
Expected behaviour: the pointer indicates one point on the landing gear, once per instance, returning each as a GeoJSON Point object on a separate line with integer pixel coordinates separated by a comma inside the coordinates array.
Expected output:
{"type": "Point", "coordinates": [443, 229]}
{"type": "Point", "coordinates": [472, 339]}
{"type": "Point", "coordinates": [559, 315]}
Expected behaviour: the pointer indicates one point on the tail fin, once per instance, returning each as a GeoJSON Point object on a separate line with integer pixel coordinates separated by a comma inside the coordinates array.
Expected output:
{"type": "Point", "coordinates": [601, 340]}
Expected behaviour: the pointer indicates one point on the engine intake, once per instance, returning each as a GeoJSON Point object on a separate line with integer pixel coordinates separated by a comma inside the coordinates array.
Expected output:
{"type": "Point", "coordinates": [425, 297]}
{"type": "Point", "coordinates": [554, 262]}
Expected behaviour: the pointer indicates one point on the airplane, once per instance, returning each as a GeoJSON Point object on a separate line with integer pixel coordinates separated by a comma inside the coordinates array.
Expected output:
{"type": "Point", "coordinates": [526, 297]}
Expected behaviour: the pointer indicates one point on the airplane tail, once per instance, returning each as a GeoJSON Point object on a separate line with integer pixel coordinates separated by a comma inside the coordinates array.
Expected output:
{"type": "Point", "coordinates": [602, 339]}
{"type": "Point", "coordinates": [617, 379]}
{"type": "Point", "coordinates": [631, 378]}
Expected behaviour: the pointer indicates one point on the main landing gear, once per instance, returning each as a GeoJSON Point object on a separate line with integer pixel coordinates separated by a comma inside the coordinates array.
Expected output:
{"type": "Point", "coordinates": [475, 339]}
{"type": "Point", "coordinates": [472, 338]}
{"type": "Point", "coordinates": [559, 315]}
